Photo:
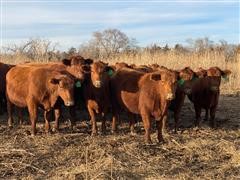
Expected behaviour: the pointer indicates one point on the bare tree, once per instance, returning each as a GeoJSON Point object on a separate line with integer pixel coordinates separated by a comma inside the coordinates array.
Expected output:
{"type": "Point", "coordinates": [107, 43]}
{"type": "Point", "coordinates": [35, 49]}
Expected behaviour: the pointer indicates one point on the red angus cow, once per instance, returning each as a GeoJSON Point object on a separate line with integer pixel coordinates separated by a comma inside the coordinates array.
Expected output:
{"type": "Point", "coordinates": [147, 94]}
{"type": "Point", "coordinates": [205, 93]}
{"type": "Point", "coordinates": [34, 87]}
{"type": "Point", "coordinates": [96, 92]}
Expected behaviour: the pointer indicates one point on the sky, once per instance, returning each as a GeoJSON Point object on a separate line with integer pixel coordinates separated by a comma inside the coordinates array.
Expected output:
{"type": "Point", "coordinates": [71, 23]}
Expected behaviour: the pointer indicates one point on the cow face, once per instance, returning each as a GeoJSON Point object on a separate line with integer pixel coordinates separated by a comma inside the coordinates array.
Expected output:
{"type": "Point", "coordinates": [167, 82]}
{"type": "Point", "coordinates": [214, 75]}
{"type": "Point", "coordinates": [78, 66]}
{"type": "Point", "coordinates": [100, 73]}
{"type": "Point", "coordinates": [65, 86]}
{"type": "Point", "coordinates": [186, 76]}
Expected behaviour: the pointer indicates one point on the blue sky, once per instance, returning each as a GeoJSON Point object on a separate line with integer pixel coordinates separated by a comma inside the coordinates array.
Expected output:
{"type": "Point", "coordinates": [71, 23]}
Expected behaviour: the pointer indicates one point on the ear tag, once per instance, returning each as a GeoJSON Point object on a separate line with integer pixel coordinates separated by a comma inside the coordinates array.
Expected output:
{"type": "Point", "coordinates": [194, 78]}
{"type": "Point", "coordinates": [110, 72]}
{"type": "Point", "coordinates": [180, 82]}
{"type": "Point", "coordinates": [225, 78]}
{"type": "Point", "coordinates": [78, 84]}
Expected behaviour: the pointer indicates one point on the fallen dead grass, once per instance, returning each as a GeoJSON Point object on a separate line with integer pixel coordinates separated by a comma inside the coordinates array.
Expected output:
{"type": "Point", "coordinates": [191, 154]}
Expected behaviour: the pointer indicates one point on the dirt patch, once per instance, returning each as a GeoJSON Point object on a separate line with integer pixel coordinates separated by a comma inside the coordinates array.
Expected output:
{"type": "Point", "coordinates": [191, 154]}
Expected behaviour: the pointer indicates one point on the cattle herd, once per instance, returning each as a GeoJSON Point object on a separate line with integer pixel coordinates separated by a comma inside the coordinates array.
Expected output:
{"type": "Point", "coordinates": [149, 91]}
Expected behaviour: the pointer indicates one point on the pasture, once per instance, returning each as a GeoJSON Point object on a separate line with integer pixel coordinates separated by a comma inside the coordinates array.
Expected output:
{"type": "Point", "coordinates": [191, 154]}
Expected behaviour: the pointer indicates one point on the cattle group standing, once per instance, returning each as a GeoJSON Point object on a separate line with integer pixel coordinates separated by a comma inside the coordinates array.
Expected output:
{"type": "Point", "coordinates": [148, 91]}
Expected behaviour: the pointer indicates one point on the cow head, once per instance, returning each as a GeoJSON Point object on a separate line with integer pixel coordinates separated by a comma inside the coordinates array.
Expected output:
{"type": "Point", "coordinates": [100, 73]}
{"type": "Point", "coordinates": [214, 75]}
{"type": "Point", "coordinates": [119, 65]}
{"type": "Point", "coordinates": [201, 73]}
{"type": "Point", "coordinates": [185, 78]}
{"type": "Point", "coordinates": [217, 72]}
{"type": "Point", "coordinates": [78, 66]}
{"type": "Point", "coordinates": [167, 83]}
{"type": "Point", "coordinates": [65, 86]}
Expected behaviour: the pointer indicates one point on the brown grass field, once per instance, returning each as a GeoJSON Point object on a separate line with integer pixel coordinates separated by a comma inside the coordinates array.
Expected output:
{"type": "Point", "coordinates": [191, 154]}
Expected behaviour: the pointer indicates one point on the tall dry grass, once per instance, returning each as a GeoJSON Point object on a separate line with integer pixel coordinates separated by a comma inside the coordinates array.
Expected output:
{"type": "Point", "coordinates": [171, 59]}
{"type": "Point", "coordinates": [177, 60]}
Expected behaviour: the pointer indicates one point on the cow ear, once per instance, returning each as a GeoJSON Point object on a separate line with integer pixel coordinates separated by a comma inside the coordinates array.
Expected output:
{"type": "Point", "coordinates": [88, 61]}
{"type": "Point", "coordinates": [66, 62]}
{"type": "Point", "coordinates": [155, 77]}
{"type": "Point", "coordinates": [54, 81]}
{"type": "Point", "coordinates": [226, 73]}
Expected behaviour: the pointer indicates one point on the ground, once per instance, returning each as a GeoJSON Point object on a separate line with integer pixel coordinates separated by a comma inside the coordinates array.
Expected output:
{"type": "Point", "coordinates": [191, 154]}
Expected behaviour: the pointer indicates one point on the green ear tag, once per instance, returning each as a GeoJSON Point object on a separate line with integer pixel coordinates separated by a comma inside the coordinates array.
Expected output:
{"type": "Point", "coordinates": [110, 72]}
{"type": "Point", "coordinates": [225, 78]}
{"type": "Point", "coordinates": [180, 82]}
{"type": "Point", "coordinates": [78, 84]}
{"type": "Point", "coordinates": [194, 78]}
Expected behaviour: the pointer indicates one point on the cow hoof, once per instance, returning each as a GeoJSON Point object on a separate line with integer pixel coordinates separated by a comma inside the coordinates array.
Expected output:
{"type": "Point", "coordinates": [114, 132]}
{"type": "Point", "coordinates": [133, 133]}
{"type": "Point", "coordinates": [148, 142]}
{"type": "Point", "coordinates": [161, 141]}
{"type": "Point", "coordinates": [55, 130]}
{"type": "Point", "coordinates": [94, 134]}
{"type": "Point", "coordinates": [10, 126]}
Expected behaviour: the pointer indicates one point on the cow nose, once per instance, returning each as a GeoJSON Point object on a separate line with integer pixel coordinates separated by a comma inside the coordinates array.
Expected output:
{"type": "Point", "coordinates": [97, 84]}
{"type": "Point", "coordinates": [188, 91]}
{"type": "Point", "coordinates": [69, 103]}
{"type": "Point", "coordinates": [170, 96]}
{"type": "Point", "coordinates": [214, 88]}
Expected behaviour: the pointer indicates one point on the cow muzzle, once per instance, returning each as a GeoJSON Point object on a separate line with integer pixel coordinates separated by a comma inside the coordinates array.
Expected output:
{"type": "Point", "coordinates": [97, 84]}
{"type": "Point", "coordinates": [69, 103]}
{"type": "Point", "coordinates": [214, 88]}
{"type": "Point", "coordinates": [170, 96]}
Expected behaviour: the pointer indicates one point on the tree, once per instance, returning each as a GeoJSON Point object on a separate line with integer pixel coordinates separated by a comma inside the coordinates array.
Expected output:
{"type": "Point", "coordinates": [108, 43]}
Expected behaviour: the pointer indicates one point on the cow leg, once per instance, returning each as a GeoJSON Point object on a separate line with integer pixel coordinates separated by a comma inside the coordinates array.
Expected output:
{"type": "Point", "coordinates": [72, 113]}
{"type": "Point", "coordinates": [132, 123]}
{"type": "Point", "coordinates": [104, 124]}
{"type": "Point", "coordinates": [93, 121]}
{"type": "Point", "coordinates": [46, 118]}
{"type": "Point", "coordinates": [160, 129]}
{"type": "Point", "coordinates": [198, 115]}
{"type": "Point", "coordinates": [20, 116]}
{"type": "Point", "coordinates": [57, 114]}
{"type": "Point", "coordinates": [206, 115]}
{"type": "Point", "coordinates": [115, 119]}
{"type": "Point", "coordinates": [212, 117]}
{"type": "Point", "coordinates": [9, 110]}
{"type": "Point", "coordinates": [32, 109]}
{"type": "Point", "coordinates": [176, 121]}
{"type": "Point", "coordinates": [147, 127]}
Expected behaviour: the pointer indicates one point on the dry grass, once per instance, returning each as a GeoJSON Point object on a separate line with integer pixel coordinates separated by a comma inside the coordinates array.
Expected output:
{"type": "Point", "coordinates": [191, 154]}
{"type": "Point", "coordinates": [171, 59]}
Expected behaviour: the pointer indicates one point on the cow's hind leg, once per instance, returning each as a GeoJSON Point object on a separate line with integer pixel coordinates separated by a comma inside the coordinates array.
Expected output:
{"type": "Point", "coordinates": [9, 110]}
